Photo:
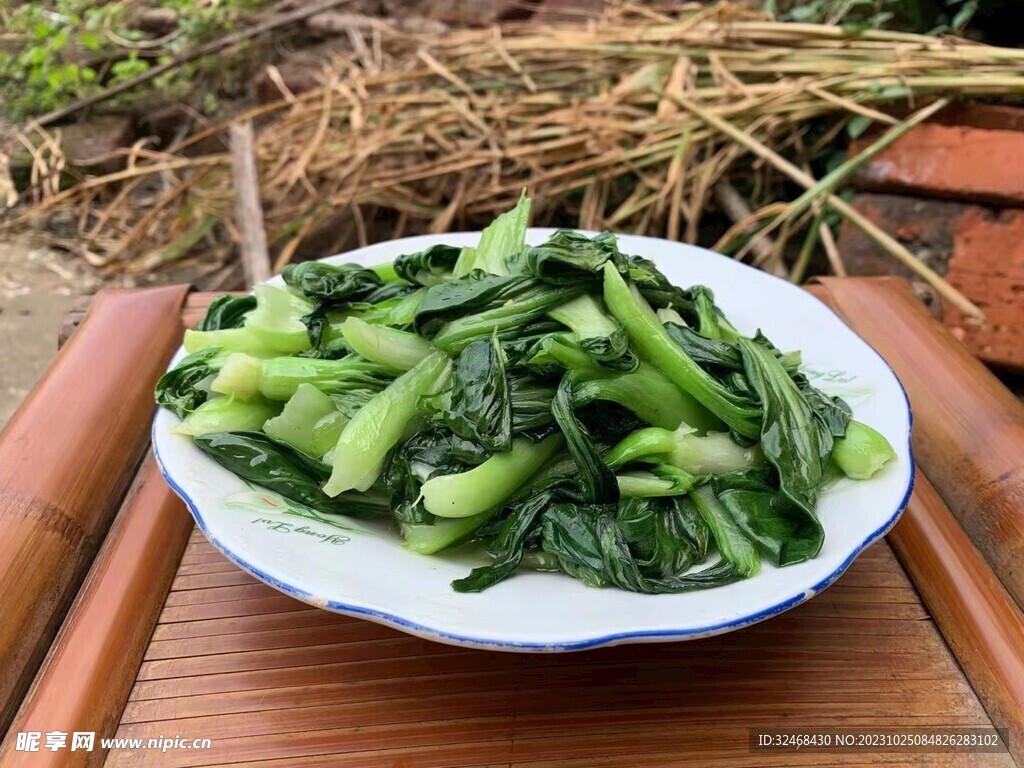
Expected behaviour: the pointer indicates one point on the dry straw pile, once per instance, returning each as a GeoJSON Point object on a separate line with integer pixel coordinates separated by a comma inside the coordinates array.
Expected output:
{"type": "Point", "coordinates": [625, 123]}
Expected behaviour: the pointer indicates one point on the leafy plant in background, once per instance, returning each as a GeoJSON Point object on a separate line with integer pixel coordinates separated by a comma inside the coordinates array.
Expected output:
{"type": "Point", "coordinates": [66, 50]}
{"type": "Point", "coordinates": [933, 17]}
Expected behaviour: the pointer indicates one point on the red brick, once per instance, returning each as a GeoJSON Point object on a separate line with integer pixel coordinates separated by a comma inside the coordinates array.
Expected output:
{"type": "Point", "coordinates": [953, 162]}
{"type": "Point", "coordinates": [979, 250]}
{"type": "Point", "coordinates": [922, 225]}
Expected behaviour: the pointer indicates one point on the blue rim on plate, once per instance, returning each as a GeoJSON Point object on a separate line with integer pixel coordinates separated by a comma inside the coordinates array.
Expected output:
{"type": "Point", "coordinates": [485, 643]}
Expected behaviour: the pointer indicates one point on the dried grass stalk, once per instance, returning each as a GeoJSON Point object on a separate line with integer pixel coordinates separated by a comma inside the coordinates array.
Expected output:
{"type": "Point", "coordinates": [596, 120]}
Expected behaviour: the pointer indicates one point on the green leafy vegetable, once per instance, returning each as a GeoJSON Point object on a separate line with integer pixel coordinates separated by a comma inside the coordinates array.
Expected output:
{"type": "Point", "coordinates": [430, 538]}
{"type": "Point", "coordinates": [569, 257]}
{"type": "Point", "coordinates": [646, 392]}
{"type": "Point", "coordinates": [599, 335]}
{"type": "Point", "coordinates": [507, 546]}
{"type": "Point", "coordinates": [732, 542]}
{"type": "Point", "coordinates": [564, 404]}
{"type": "Point", "coordinates": [379, 425]}
{"type": "Point", "coordinates": [710, 318]}
{"type": "Point", "coordinates": [309, 422]}
{"type": "Point", "coordinates": [186, 386]}
{"type": "Point", "coordinates": [713, 453]}
{"type": "Point", "coordinates": [591, 545]}
{"type": "Point", "coordinates": [523, 301]}
{"type": "Point", "coordinates": [229, 340]}
{"type": "Point", "coordinates": [428, 267]}
{"type": "Point", "coordinates": [330, 283]}
{"type": "Point", "coordinates": [424, 455]}
{"type": "Point", "coordinates": [226, 414]}
{"type": "Point", "coordinates": [396, 349]}
{"type": "Point", "coordinates": [596, 482]}
{"type": "Point", "coordinates": [278, 378]}
{"type": "Point", "coordinates": [531, 403]}
{"type": "Point", "coordinates": [660, 480]}
{"type": "Point", "coordinates": [650, 337]}
{"type": "Point", "coordinates": [503, 239]}
{"type": "Point", "coordinates": [490, 484]}
{"type": "Point", "coordinates": [277, 319]}
{"type": "Point", "coordinates": [862, 452]}
{"type": "Point", "coordinates": [466, 295]}
{"type": "Point", "coordinates": [792, 438]}
{"type": "Point", "coordinates": [259, 459]}
{"type": "Point", "coordinates": [226, 312]}
{"type": "Point", "coordinates": [480, 406]}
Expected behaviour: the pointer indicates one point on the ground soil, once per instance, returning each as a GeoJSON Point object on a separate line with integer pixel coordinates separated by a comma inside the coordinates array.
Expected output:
{"type": "Point", "coordinates": [37, 289]}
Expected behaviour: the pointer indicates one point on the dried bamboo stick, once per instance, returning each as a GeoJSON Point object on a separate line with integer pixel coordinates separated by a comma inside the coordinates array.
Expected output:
{"type": "Point", "coordinates": [868, 227]}
{"type": "Point", "coordinates": [248, 210]}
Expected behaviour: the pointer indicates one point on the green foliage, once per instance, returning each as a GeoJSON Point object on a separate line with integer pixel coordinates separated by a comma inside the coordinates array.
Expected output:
{"type": "Point", "coordinates": [935, 17]}
{"type": "Point", "coordinates": [66, 50]}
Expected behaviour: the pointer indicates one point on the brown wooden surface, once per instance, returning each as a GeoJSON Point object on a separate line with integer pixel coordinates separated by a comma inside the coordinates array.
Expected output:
{"type": "Point", "coordinates": [192, 311]}
{"type": "Point", "coordinates": [968, 428]}
{"type": "Point", "coordinates": [85, 681]}
{"type": "Point", "coordinates": [978, 618]}
{"type": "Point", "coordinates": [274, 681]}
{"type": "Point", "coordinates": [66, 458]}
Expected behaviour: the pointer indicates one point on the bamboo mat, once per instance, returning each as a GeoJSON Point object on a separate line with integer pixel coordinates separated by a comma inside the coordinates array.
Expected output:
{"type": "Point", "coordinates": [273, 682]}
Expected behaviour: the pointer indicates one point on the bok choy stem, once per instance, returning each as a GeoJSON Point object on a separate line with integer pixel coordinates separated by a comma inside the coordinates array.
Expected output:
{"type": "Point", "coordinates": [650, 338]}
{"type": "Point", "coordinates": [398, 349]}
{"type": "Point", "coordinates": [381, 423]}
{"type": "Point", "coordinates": [471, 493]}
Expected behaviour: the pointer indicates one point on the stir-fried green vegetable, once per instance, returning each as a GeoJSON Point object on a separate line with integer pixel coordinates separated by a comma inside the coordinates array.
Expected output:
{"type": "Point", "coordinates": [562, 403]}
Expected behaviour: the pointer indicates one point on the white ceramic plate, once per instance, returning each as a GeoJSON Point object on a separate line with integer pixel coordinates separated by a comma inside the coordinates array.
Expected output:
{"type": "Point", "coordinates": [360, 569]}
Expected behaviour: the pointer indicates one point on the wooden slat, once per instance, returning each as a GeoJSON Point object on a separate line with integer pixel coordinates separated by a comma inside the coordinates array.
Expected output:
{"type": "Point", "coordinates": [979, 619]}
{"type": "Point", "coordinates": [192, 311]}
{"type": "Point", "coordinates": [968, 428]}
{"type": "Point", "coordinates": [89, 672]}
{"type": "Point", "coordinates": [66, 459]}
{"type": "Point", "coordinates": [282, 690]}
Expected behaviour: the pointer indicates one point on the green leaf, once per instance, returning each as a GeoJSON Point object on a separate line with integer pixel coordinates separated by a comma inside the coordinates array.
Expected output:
{"type": "Point", "coordinates": [260, 459]}
{"type": "Point", "coordinates": [593, 544]}
{"type": "Point", "coordinates": [732, 541]}
{"type": "Point", "coordinates": [428, 267]}
{"type": "Point", "coordinates": [186, 386]}
{"type": "Point", "coordinates": [596, 481]}
{"type": "Point", "coordinates": [857, 125]}
{"type": "Point", "coordinates": [226, 312]}
{"type": "Point", "coordinates": [507, 546]}
{"type": "Point", "coordinates": [794, 440]}
{"type": "Point", "coordinates": [332, 284]}
{"type": "Point", "coordinates": [509, 307]}
{"type": "Point", "coordinates": [569, 257]}
{"type": "Point", "coordinates": [653, 343]}
{"type": "Point", "coordinates": [426, 454]}
{"type": "Point", "coordinates": [502, 240]}
{"type": "Point", "coordinates": [480, 409]}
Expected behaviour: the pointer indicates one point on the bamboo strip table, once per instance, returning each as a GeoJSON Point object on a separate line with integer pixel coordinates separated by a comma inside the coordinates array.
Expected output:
{"type": "Point", "coordinates": [161, 637]}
